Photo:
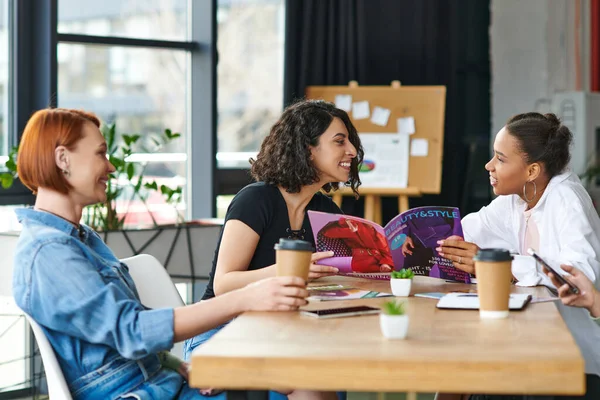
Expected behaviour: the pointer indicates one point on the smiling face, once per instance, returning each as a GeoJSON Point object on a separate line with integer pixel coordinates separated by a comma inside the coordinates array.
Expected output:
{"type": "Point", "coordinates": [334, 153]}
{"type": "Point", "coordinates": [508, 168]}
{"type": "Point", "coordinates": [88, 167]}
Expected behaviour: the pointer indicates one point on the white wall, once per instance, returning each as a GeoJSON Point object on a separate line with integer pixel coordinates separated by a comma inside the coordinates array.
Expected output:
{"type": "Point", "coordinates": [533, 54]}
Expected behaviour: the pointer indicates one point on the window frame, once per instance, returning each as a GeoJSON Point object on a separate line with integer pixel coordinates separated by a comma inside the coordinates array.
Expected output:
{"type": "Point", "coordinates": [229, 181]}
{"type": "Point", "coordinates": [34, 86]}
{"type": "Point", "coordinates": [33, 67]}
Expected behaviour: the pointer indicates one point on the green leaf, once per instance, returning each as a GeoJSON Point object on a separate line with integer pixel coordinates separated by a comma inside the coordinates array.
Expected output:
{"type": "Point", "coordinates": [127, 140]}
{"type": "Point", "coordinates": [7, 180]}
{"type": "Point", "coordinates": [402, 274]}
{"type": "Point", "coordinates": [130, 171]}
{"type": "Point", "coordinates": [151, 185]}
{"type": "Point", "coordinates": [109, 135]}
{"type": "Point", "coordinates": [137, 186]}
{"type": "Point", "coordinates": [393, 308]}
{"type": "Point", "coordinates": [118, 163]}
{"type": "Point", "coordinates": [10, 165]}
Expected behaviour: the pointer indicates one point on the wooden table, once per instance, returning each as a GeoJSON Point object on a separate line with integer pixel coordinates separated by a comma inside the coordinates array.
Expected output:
{"type": "Point", "coordinates": [531, 352]}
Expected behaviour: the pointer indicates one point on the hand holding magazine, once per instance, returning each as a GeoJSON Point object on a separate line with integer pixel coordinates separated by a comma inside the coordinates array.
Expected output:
{"type": "Point", "coordinates": [364, 249]}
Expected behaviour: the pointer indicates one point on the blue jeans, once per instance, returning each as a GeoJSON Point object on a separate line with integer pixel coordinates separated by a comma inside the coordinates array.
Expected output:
{"type": "Point", "coordinates": [129, 379]}
{"type": "Point", "coordinates": [190, 344]}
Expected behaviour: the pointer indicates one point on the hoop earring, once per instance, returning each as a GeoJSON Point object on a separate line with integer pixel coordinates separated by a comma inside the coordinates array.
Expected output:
{"type": "Point", "coordinates": [525, 191]}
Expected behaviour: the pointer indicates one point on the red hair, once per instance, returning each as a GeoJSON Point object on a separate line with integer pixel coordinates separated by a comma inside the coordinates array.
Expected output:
{"type": "Point", "coordinates": [45, 131]}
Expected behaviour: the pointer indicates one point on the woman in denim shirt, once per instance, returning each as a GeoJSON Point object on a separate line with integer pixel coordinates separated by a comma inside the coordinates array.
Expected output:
{"type": "Point", "coordinates": [71, 283]}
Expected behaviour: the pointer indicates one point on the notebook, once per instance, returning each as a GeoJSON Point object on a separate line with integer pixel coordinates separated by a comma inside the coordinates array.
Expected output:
{"type": "Point", "coordinates": [470, 301]}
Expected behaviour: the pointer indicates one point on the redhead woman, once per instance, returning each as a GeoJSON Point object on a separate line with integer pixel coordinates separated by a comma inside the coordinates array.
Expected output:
{"type": "Point", "coordinates": [107, 343]}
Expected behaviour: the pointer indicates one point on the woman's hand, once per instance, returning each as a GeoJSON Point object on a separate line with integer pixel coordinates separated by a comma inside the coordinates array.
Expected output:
{"type": "Point", "coordinates": [458, 251]}
{"type": "Point", "coordinates": [588, 295]}
{"type": "Point", "coordinates": [405, 246]}
{"type": "Point", "coordinates": [385, 268]}
{"type": "Point", "coordinates": [283, 293]}
{"type": "Point", "coordinates": [317, 270]}
{"type": "Point", "coordinates": [183, 370]}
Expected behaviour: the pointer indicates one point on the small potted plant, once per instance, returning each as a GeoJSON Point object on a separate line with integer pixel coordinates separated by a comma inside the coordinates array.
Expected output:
{"type": "Point", "coordinates": [393, 320]}
{"type": "Point", "coordinates": [400, 281]}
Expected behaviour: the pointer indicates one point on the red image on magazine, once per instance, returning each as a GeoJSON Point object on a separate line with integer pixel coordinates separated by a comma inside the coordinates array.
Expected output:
{"type": "Point", "coordinates": [362, 248]}
{"type": "Point", "coordinates": [367, 247]}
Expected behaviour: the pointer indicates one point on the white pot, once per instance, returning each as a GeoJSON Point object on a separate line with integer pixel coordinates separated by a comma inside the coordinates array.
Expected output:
{"type": "Point", "coordinates": [393, 326]}
{"type": "Point", "coordinates": [401, 287]}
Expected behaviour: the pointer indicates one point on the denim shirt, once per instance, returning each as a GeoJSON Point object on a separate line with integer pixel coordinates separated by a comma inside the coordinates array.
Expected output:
{"type": "Point", "coordinates": [73, 285]}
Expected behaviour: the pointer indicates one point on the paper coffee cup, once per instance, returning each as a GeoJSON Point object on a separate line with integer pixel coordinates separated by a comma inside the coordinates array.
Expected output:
{"type": "Point", "coordinates": [292, 258]}
{"type": "Point", "coordinates": [493, 270]}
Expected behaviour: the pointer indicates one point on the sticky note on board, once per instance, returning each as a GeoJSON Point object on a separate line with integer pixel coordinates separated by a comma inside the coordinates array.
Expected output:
{"type": "Point", "coordinates": [380, 116]}
{"type": "Point", "coordinates": [360, 110]}
{"type": "Point", "coordinates": [406, 125]}
{"type": "Point", "coordinates": [343, 102]}
{"type": "Point", "coordinates": [419, 148]}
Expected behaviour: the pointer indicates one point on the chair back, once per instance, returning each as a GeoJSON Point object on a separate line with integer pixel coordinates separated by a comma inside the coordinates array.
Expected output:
{"type": "Point", "coordinates": [155, 287]}
{"type": "Point", "coordinates": [57, 385]}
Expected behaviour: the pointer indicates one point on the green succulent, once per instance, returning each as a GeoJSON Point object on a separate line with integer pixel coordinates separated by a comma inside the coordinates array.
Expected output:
{"type": "Point", "coordinates": [393, 308]}
{"type": "Point", "coordinates": [403, 274]}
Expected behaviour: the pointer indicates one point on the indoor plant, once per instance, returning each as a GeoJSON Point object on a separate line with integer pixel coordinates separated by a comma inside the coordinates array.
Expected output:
{"type": "Point", "coordinates": [184, 249]}
{"type": "Point", "coordinates": [400, 281]}
{"type": "Point", "coordinates": [128, 178]}
{"type": "Point", "coordinates": [393, 320]}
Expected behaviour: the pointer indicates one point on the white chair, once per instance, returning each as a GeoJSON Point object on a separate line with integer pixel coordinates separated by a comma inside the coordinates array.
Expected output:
{"type": "Point", "coordinates": [57, 386]}
{"type": "Point", "coordinates": [156, 290]}
{"type": "Point", "coordinates": [155, 287]}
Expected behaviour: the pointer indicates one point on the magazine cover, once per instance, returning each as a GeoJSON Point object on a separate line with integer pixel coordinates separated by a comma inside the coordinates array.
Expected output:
{"type": "Point", "coordinates": [364, 249]}
{"type": "Point", "coordinates": [341, 292]}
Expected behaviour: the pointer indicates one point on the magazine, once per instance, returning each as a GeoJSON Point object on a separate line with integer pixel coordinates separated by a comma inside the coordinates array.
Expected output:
{"type": "Point", "coordinates": [341, 292]}
{"type": "Point", "coordinates": [364, 249]}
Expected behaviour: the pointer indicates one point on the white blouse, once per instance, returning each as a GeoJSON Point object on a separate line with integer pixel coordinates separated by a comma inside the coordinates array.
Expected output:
{"type": "Point", "coordinates": [569, 230]}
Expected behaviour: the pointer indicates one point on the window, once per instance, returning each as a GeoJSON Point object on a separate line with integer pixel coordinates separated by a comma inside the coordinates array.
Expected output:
{"type": "Point", "coordinates": [150, 19]}
{"type": "Point", "coordinates": [4, 75]}
{"type": "Point", "coordinates": [13, 338]}
{"type": "Point", "coordinates": [250, 37]}
{"type": "Point", "coordinates": [140, 88]}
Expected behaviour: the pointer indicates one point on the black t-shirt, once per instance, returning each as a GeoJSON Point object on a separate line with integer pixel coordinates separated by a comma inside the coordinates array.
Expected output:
{"type": "Point", "coordinates": [263, 208]}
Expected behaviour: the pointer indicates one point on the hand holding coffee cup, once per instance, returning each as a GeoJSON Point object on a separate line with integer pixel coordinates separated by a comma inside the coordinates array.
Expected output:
{"type": "Point", "coordinates": [293, 258]}
{"type": "Point", "coordinates": [494, 276]}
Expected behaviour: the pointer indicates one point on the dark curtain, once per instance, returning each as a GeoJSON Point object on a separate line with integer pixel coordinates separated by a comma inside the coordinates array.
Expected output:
{"type": "Point", "coordinates": [418, 42]}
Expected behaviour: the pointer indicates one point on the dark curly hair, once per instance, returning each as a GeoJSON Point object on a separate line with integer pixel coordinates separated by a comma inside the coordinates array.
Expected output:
{"type": "Point", "coordinates": [542, 138]}
{"type": "Point", "coordinates": [284, 157]}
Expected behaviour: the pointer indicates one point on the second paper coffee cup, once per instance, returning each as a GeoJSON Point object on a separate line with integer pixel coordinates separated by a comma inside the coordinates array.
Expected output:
{"type": "Point", "coordinates": [493, 270]}
{"type": "Point", "coordinates": [292, 258]}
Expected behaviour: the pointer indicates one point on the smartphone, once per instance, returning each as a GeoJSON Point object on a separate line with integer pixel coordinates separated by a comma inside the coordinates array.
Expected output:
{"type": "Point", "coordinates": [572, 288]}
{"type": "Point", "coordinates": [341, 312]}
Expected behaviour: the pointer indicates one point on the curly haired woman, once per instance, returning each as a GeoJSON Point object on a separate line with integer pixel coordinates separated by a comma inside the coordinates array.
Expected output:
{"type": "Point", "coordinates": [312, 147]}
